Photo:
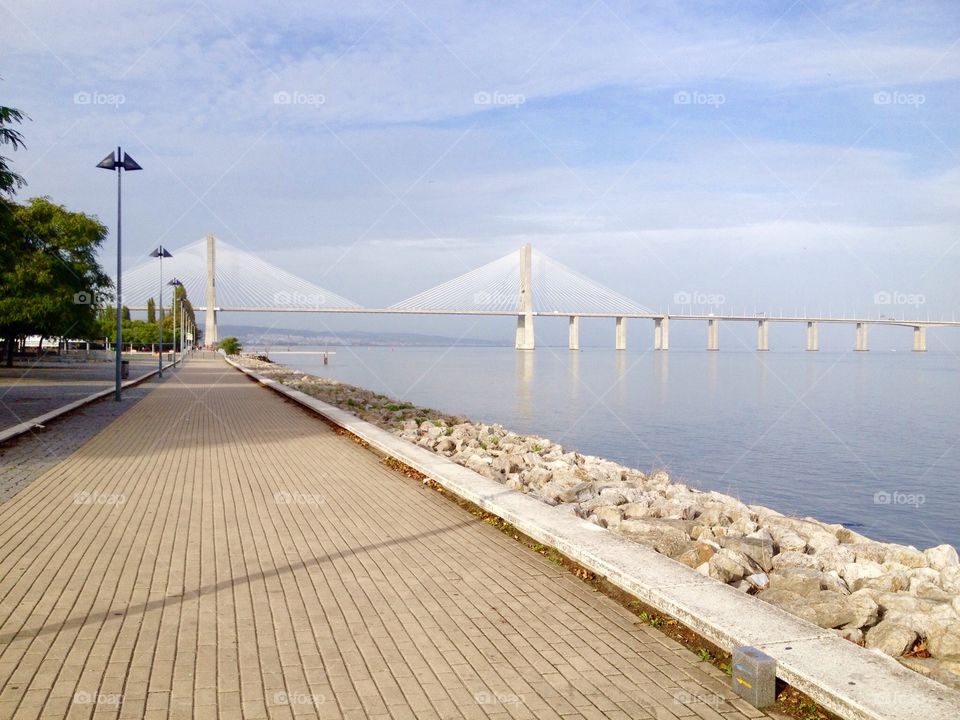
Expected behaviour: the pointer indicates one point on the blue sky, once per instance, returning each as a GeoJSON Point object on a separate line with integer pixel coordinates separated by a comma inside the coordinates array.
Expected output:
{"type": "Point", "coordinates": [779, 155]}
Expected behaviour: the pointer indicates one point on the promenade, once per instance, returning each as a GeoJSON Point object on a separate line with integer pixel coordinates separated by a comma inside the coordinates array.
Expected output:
{"type": "Point", "coordinates": [219, 552]}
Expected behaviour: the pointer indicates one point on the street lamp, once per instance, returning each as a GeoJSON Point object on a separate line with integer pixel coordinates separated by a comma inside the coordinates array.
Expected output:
{"type": "Point", "coordinates": [118, 162]}
{"type": "Point", "coordinates": [161, 252]}
{"type": "Point", "coordinates": [176, 283]}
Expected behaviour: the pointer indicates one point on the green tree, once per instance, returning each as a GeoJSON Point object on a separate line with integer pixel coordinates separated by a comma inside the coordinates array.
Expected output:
{"type": "Point", "coordinates": [230, 345]}
{"type": "Point", "coordinates": [151, 310]}
{"type": "Point", "coordinates": [10, 181]}
{"type": "Point", "coordinates": [51, 283]}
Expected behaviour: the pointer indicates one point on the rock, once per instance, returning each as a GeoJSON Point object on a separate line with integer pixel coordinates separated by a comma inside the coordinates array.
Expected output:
{"type": "Point", "coordinates": [759, 581]}
{"type": "Point", "coordinates": [851, 572]}
{"type": "Point", "coordinates": [612, 496]}
{"type": "Point", "coordinates": [890, 638]}
{"type": "Point", "coordinates": [835, 558]}
{"type": "Point", "coordinates": [854, 635]}
{"type": "Point", "coordinates": [634, 510]}
{"type": "Point", "coordinates": [537, 477]}
{"type": "Point", "coordinates": [758, 549]}
{"type": "Point", "coordinates": [943, 641]}
{"type": "Point", "coordinates": [820, 541]}
{"type": "Point", "coordinates": [696, 555]}
{"type": "Point", "coordinates": [790, 602]}
{"type": "Point", "coordinates": [873, 551]}
{"type": "Point", "coordinates": [508, 463]}
{"type": "Point", "coordinates": [788, 540]}
{"type": "Point", "coordinates": [729, 565]}
{"type": "Point", "coordinates": [832, 610]}
{"type": "Point", "coordinates": [609, 516]}
{"type": "Point", "coordinates": [793, 559]}
{"type": "Point", "coordinates": [802, 581]}
{"type": "Point", "coordinates": [906, 555]}
{"type": "Point", "coordinates": [865, 609]}
{"type": "Point", "coordinates": [942, 557]}
{"type": "Point", "coordinates": [445, 445]}
{"type": "Point", "coordinates": [846, 535]}
{"type": "Point", "coordinates": [743, 526]}
{"type": "Point", "coordinates": [662, 537]}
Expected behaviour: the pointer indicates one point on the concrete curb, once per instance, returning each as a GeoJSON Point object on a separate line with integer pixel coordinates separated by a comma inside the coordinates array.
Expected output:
{"type": "Point", "coordinates": [28, 425]}
{"type": "Point", "coordinates": [850, 681]}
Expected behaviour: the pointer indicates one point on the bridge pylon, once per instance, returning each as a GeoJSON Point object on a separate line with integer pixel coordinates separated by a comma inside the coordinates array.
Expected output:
{"type": "Point", "coordinates": [210, 338]}
{"type": "Point", "coordinates": [525, 339]}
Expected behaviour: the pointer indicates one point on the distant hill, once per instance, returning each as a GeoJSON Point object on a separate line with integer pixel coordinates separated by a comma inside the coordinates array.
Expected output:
{"type": "Point", "coordinates": [261, 337]}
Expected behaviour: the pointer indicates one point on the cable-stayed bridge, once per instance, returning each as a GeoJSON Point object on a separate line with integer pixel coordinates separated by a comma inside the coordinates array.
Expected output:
{"type": "Point", "coordinates": [523, 285]}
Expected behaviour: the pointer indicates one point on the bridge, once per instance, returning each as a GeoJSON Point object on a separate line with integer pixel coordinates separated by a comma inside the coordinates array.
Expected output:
{"type": "Point", "coordinates": [523, 285]}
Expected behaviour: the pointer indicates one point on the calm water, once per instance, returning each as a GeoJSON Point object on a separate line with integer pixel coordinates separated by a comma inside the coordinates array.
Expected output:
{"type": "Point", "coordinates": [867, 440]}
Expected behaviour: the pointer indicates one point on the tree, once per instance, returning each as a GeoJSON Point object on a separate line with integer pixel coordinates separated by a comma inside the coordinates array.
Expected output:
{"type": "Point", "coordinates": [51, 284]}
{"type": "Point", "coordinates": [10, 181]}
{"type": "Point", "coordinates": [151, 310]}
{"type": "Point", "coordinates": [230, 345]}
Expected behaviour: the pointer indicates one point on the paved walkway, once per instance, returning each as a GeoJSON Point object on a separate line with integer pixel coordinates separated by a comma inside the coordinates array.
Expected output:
{"type": "Point", "coordinates": [219, 552]}
{"type": "Point", "coordinates": [31, 389]}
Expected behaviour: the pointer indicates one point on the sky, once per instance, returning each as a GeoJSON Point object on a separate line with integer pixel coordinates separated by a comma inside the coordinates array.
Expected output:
{"type": "Point", "coordinates": [743, 156]}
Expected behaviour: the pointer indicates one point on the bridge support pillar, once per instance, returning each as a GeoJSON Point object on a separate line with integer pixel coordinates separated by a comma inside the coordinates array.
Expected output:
{"type": "Point", "coordinates": [210, 338]}
{"type": "Point", "coordinates": [661, 333]}
{"type": "Point", "coordinates": [763, 335]}
{"type": "Point", "coordinates": [920, 338]}
{"type": "Point", "coordinates": [813, 336]}
{"type": "Point", "coordinates": [574, 332]}
{"type": "Point", "coordinates": [861, 345]}
{"type": "Point", "coordinates": [525, 303]}
{"type": "Point", "coordinates": [713, 334]}
{"type": "Point", "coordinates": [621, 333]}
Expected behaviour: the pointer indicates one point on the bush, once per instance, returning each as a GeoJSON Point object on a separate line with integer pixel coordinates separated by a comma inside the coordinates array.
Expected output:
{"type": "Point", "coordinates": [230, 345]}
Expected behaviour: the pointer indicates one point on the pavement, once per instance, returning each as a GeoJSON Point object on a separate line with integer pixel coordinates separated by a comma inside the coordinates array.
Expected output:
{"type": "Point", "coordinates": [217, 551]}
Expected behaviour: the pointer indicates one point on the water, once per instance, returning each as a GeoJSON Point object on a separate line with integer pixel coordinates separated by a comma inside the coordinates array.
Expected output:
{"type": "Point", "coordinates": [867, 440]}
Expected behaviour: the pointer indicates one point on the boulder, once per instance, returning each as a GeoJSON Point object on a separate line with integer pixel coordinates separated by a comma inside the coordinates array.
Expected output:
{"type": "Point", "coordinates": [802, 581]}
{"type": "Point", "coordinates": [788, 540]}
{"type": "Point", "coordinates": [820, 541]}
{"type": "Point", "coordinates": [854, 635]}
{"type": "Point", "coordinates": [890, 638]}
{"type": "Point", "coordinates": [508, 463]}
{"type": "Point", "coordinates": [612, 496]}
{"type": "Point", "coordinates": [729, 566]}
{"type": "Point", "coordinates": [852, 572]}
{"type": "Point", "coordinates": [790, 602]}
{"type": "Point", "coordinates": [537, 477]}
{"type": "Point", "coordinates": [906, 555]}
{"type": "Point", "coordinates": [758, 549]}
{"type": "Point", "coordinates": [865, 609]}
{"type": "Point", "coordinates": [662, 537]}
{"type": "Point", "coordinates": [696, 555]}
{"type": "Point", "coordinates": [832, 610]}
{"type": "Point", "coordinates": [793, 559]}
{"type": "Point", "coordinates": [873, 551]}
{"type": "Point", "coordinates": [835, 558]}
{"type": "Point", "coordinates": [635, 510]}
{"type": "Point", "coordinates": [759, 581]}
{"type": "Point", "coordinates": [942, 557]}
{"type": "Point", "coordinates": [609, 516]}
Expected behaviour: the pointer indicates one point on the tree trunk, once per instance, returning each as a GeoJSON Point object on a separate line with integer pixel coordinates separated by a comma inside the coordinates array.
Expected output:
{"type": "Point", "coordinates": [10, 339]}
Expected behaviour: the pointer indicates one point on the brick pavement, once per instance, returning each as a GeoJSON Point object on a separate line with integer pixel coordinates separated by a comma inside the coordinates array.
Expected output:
{"type": "Point", "coordinates": [218, 552]}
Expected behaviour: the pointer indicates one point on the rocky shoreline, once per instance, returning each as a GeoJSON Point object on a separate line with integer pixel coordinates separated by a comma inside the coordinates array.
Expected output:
{"type": "Point", "coordinates": [891, 598]}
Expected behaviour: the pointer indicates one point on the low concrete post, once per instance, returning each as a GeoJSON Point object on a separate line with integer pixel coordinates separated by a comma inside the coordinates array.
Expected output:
{"type": "Point", "coordinates": [763, 335]}
{"type": "Point", "coordinates": [861, 345]}
{"type": "Point", "coordinates": [920, 338]}
{"type": "Point", "coordinates": [754, 676]}
{"type": "Point", "coordinates": [713, 335]}
{"type": "Point", "coordinates": [574, 333]}
{"type": "Point", "coordinates": [813, 336]}
{"type": "Point", "coordinates": [621, 333]}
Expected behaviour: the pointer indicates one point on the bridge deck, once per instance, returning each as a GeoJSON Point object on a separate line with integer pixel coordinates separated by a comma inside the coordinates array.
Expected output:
{"type": "Point", "coordinates": [218, 552]}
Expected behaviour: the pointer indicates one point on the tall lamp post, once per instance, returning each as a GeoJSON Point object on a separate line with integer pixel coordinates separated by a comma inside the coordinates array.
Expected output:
{"type": "Point", "coordinates": [176, 284]}
{"type": "Point", "coordinates": [161, 252]}
{"type": "Point", "coordinates": [119, 161]}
